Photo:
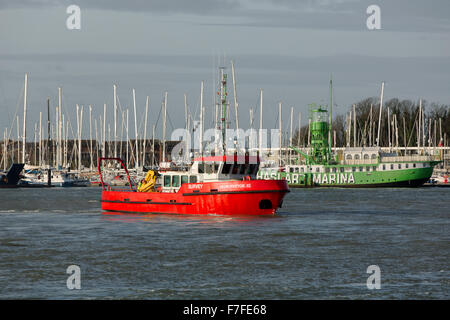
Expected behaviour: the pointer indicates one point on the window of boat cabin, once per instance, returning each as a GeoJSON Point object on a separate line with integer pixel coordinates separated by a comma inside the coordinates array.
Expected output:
{"type": "Point", "coordinates": [201, 168]}
{"type": "Point", "coordinates": [209, 168]}
{"type": "Point", "coordinates": [175, 181]}
{"type": "Point", "coordinates": [193, 179]}
{"type": "Point", "coordinates": [406, 166]}
{"type": "Point", "coordinates": [235, 169]}
{"type": "Point", "coordinates": [167, 181]}
{"type": "Point", "coordinates": [184, 179]}
{"type": "Point", "coordinates": [226, 168]}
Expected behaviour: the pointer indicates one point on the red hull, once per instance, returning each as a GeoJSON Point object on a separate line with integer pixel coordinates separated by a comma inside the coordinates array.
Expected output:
{"type": "Point", "coordinates": [248, 197]}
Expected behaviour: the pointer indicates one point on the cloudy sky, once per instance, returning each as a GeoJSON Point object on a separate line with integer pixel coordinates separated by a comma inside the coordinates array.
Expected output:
{"type": "Point", "coordinates": [289, 48]}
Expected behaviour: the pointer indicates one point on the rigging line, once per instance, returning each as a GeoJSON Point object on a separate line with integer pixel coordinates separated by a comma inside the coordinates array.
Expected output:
{"type": "Point", "coordinates": [170, 121]}
{"type": "Point", "coordinates": [159, 115]}
{"type": "Point", "coordinates": [15, 114]}
{"type": "Point", "coordinates": [64, 111]}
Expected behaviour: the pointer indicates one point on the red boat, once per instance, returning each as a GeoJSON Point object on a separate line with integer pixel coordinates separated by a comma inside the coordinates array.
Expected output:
{"type": "Point", "coordinates": [220, 185]}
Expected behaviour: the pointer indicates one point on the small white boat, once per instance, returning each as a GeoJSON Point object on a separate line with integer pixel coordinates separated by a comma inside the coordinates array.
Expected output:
{"type": "Point", "coordinates": [58, 179]}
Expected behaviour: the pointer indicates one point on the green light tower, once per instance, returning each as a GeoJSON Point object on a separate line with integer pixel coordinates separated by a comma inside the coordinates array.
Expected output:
{"type": "Point", "coordinates": [320, 148]}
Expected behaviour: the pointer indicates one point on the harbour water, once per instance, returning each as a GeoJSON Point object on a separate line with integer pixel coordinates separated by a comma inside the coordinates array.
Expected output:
{"type": "Point", "coordinates": [318, 246]}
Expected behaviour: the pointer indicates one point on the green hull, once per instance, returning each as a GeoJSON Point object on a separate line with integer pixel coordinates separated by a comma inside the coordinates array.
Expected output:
{"type": "Point", "coordinates": [411, 177]}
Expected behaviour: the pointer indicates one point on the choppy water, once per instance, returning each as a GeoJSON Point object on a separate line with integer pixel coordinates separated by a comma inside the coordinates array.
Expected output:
{"type": "Point", "coordinates": [318, 247]}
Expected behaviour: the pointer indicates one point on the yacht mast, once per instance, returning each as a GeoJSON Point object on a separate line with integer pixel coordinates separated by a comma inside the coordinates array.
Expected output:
{"type": "Point", "coordinates": [145, 131]}
{"type": "Point", "coordinates": [135, 130]}
{"type": "Point", "coordinates": [201, 119]}
{"type": "Point", "coordinates": [379, 118]}
{"type": "Point", "coordinates": [24, 118]}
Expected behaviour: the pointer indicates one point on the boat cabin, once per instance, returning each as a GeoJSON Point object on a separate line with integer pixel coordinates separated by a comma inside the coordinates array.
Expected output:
{"type": "Point", "coordinates": [210, 169]}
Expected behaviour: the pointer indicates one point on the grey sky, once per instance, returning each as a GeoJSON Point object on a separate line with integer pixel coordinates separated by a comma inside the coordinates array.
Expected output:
{"type": "Point", "coordinates": [289, 48]}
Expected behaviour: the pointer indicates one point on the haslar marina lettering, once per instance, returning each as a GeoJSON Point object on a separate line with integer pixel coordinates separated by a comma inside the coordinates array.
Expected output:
{"type": "Point", "coordinates": [317, 178]}
{"type": "Point", "coordinates": [333, 178]}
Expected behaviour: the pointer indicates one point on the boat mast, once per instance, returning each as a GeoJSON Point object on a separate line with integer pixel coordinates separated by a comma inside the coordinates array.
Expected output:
{"type": "Point", "coordinates": [279, 127]}
{"type": "Point", "coordinates": [330, 115]}
{"type": "Point", "coordinates": [115, 119]}
{"type": "Point", "coordinates": [379, 118]}
{"type": "Point", "coordinates": [389, 128]}
{"type": "Point", "coordinates": [96, 138]}
{"type": "Point", "coordinates": [5, 149]}
{"type": "Point", "coordinates": [135, 130]}
{"type": "Point", "coordinates": [104, 131]}
{"type": "Point", "coordinates": [35, 143]}
{"type": "Point", "coordinates": [18, 139]}
{"type": "Point", "coordinates": [49, 139]}
{"type": "Point", "coordinates": [354, 127]}
{"type": "Point", "coordinates": [186, 127]}
{"type": "Point", "coordinates": [290, 134]}
{"type": "Point", "coordinates": [40, 139]}
{"type": "Point", "coordinates": [128, 141]}
{"type": "Point", "coordinates": [80, 130]}
{"type": "Point", "coordinates": [90, 137]}
{"type": "Point", "coordinates": [223, 102]}
{"type": "Point", "coordinates": [145, 131]}
{"type": "Point", "coordinates": [164, 127]}
{"type": "Point", "coordinates": [236, 106]}
{"type": "Point", "coordinates": [201, 119]}
{"type": "Point", "coordinates": [260, 120]}
{"type": "Point", "coordinates": [370, 126]}
{"type": "Point", "coordinates": [58, 128]}
{"type": "Point", "coordinates": [299, 128]}
{"type": "Point", "coordinates": [24, 118]}
{"type": "Point", "coordinates": [153, 145]}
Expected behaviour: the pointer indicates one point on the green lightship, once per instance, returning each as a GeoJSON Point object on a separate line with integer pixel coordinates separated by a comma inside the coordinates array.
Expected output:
{"type": "Point", "coordinates": [354, 167]}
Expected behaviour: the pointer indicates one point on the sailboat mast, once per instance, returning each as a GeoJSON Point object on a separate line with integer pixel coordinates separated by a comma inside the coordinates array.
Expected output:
{"type": "Point", "coordinates": [330, 126]}
{"type": "Point", "coordinates": [145, 131]}
{"type": "Point", "coordinates": [49, 175]}
{"type": "Point", "coordinates": [223, 102]}
{"type": "Point", "coordinates": [115, 119]}
{"type": "Point", "coordinates": [24, 118]}
{"type": "Point", "coordinates": [90, 137]}
{"type": "Point", "coordinates": [379, 118]}
{"type": "Point", "coordinates": [164, 127]}
{"type": "Point", "coordinates": [201, 119]}
{"type": "Point", "coordinates": [135, 130]}
{"type": "Point", "coordinates": [260, 120]}
{"type": "Point", "coordinates": [279, 126]}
